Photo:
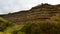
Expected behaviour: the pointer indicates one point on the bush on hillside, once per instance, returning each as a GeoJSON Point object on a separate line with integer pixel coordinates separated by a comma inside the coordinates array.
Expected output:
{"type": "Point", "coordinates": [42, 28]}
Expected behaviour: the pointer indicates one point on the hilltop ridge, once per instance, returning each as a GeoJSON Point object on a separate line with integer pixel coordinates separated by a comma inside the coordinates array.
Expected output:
{"type": "Point", "coordinates": [37, 13]}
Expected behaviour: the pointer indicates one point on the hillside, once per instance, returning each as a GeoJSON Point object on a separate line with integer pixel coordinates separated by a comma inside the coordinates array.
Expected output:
{"type": "Point", "coordinates": [38, 13]}
{"type": "Point", "coordinates": [41, 19]}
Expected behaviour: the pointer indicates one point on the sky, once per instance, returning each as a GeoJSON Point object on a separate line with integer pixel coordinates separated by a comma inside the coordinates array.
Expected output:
{"type": "Point", "coordinates": [10, 6]}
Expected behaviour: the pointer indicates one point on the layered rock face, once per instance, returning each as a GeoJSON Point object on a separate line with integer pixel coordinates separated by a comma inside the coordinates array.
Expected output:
{"type": "Point", "coordinates": [38, 13]}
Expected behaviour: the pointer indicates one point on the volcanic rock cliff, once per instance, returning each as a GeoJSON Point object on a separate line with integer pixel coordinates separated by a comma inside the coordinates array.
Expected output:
{"type": "Point", "coordinates": [38, 13]}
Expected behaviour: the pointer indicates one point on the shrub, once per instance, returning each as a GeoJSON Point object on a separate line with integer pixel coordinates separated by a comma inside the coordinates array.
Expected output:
{"type": "Point", "coordinates": [44, 27]}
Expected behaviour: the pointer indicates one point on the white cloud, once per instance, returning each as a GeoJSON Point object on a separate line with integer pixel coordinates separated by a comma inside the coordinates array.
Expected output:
{"type": "Point", "coordinates": [53, 1]}
{"type": "Point", "coordinates": [7, 6]}
{"type": "Point", "coordinates": [15, 5]}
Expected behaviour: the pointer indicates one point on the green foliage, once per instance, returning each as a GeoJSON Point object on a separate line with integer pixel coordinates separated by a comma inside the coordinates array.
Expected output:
{"type": "Point", "coordinates": [44, 27]}
{"type": "Point", "coordinates": [7, 27]}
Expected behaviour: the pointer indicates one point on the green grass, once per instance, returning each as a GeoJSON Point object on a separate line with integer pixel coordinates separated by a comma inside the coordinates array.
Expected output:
{"type": "Point", "coordinates": [4, 20]}
{"type": "Point", "coordinates": [9, 27]}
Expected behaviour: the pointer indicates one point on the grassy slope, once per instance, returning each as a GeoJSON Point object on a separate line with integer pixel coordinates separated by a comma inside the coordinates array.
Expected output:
{"type": "Point", "coordinates": [10, 28]}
